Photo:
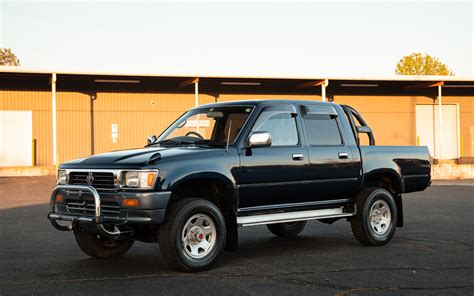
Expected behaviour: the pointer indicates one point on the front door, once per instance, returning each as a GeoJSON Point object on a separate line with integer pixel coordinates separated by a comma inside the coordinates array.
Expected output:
{"type": "Point", "coordinates": [270, 177]}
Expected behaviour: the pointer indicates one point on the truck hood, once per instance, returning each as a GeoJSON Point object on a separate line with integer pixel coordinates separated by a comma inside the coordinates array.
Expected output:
{"type": "Point", "coordinates": [133, 158]}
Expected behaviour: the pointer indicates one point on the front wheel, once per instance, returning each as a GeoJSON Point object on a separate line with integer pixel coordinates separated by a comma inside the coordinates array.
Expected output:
{"type": "Point", "coordinates": [376, 218]}
{"type": "Point", "coordinates": [99, 247]}
{"type": "Point", "coordinates": [193, 235]}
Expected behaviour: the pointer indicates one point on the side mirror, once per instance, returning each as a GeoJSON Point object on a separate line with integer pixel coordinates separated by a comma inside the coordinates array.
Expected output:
{"type": "Point", "coordinates": [364, 129]}
{"type": "Point", "coordinates": [259, 139]}
{"type": "Point", "coordinates": [151, 139]}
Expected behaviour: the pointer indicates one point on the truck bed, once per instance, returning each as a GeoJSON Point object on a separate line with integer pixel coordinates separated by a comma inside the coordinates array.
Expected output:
{"type": "Point", "coordinates": [410, 163]}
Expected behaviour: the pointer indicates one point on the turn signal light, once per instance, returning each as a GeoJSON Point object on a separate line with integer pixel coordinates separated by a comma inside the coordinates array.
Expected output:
{"type": "Point", "coordinates": [131, 202]}
{"type": "Point", "coordinates": [59, 198]}
{"type": "Point", "coordinates": [151, 179]}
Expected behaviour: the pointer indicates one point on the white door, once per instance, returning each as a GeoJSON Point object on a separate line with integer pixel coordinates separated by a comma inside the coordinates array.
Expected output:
{"type": "Point", "coordinates": [442, 144]}
{"type": "Point", "coordinates": [16, 133]}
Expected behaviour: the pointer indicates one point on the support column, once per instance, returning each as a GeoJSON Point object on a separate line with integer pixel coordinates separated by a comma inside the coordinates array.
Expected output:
{"type": "Point", "coordinates": [440, 120]}
{"type": "Point", "coordinates": [196, 101]}
{"type": "Point", "coordinates": [196, 93]}
{"type": "Point", "coordinates": [53, 113]}
{"type": "Point", "coordinates": [323, 90]}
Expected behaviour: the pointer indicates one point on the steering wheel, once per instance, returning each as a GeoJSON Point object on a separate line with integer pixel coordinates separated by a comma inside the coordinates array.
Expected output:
{"type": "Point", "coordinates": [194, 134]}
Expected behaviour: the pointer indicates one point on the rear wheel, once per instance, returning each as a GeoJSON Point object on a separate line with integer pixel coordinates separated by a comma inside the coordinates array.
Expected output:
{"type": "Point", "coordinates": [99, 247]}
{"type": "Point", "coordinates": [376, 219]}
{"type": "Point", "coordinates": [287, 229]}
{"type": "Point", "coordinates": [193, 235]}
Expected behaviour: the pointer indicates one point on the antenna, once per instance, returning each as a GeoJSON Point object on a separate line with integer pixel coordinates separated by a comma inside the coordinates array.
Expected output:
{"type": "Point", "coordinates": [228, 136]}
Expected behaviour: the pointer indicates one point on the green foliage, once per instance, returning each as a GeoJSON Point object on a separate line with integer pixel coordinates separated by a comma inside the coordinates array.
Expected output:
{"type": "Point", "coordinates": [419, 64]}
{"type": "Point", "coordinates": [8, 58]}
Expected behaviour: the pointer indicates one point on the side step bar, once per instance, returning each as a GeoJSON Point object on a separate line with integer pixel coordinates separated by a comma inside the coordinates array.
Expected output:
{"type": "Point", "coordinates": [293, 216]}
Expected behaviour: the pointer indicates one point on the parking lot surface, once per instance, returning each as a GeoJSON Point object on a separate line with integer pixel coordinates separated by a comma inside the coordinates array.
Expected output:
{"type": "Point", "coordinates": [432, 254]}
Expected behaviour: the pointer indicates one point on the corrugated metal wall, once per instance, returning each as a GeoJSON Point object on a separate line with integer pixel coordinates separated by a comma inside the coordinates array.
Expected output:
{"type": "Point", "coordinates": [139, 115]}
{"type": "Point", "coordinates": [393, 118]}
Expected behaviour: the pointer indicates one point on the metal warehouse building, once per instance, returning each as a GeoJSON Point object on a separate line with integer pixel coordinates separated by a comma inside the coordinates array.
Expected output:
{"type": "Point", "coordinates": [49, 117]}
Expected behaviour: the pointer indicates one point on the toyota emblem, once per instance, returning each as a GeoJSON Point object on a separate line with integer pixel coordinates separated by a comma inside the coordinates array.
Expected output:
{"type": "Point", "coordinates": [90, 179]}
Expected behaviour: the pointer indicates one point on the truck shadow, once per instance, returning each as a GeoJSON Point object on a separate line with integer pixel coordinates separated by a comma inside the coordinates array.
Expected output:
{"type": "Point", "coordinates": [35, 247]}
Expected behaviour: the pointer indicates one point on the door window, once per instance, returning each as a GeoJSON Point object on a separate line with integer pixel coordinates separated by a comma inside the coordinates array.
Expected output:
{"type": "Point", "coordinates": [321, 125]}
{"type": "Point", "coordinates": [281, 124]}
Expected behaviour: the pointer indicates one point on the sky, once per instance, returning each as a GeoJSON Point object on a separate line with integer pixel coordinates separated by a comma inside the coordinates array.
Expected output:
{"type": "Point", "coordinates": [304, 39]}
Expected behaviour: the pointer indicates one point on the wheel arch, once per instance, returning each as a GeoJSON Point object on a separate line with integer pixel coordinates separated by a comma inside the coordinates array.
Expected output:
{"type": "Point", "coordinates": [216, 188]}
{"type": "Point", "coordinates": [390, 180]}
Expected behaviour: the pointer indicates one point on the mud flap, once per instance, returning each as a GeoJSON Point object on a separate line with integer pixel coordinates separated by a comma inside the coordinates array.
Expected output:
{"type": "Point", "coordinates": [398, 200]}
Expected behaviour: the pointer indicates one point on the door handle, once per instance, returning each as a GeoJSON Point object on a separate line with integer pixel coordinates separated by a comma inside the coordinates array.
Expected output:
{"type": "Point", "coordinates": [343, 155]}
{"type": "Point", "coordinates": [297, 156]}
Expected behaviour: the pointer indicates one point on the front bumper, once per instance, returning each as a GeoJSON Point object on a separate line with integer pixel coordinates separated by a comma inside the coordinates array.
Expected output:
{"type": "Point", "coordinates": [95, 207]}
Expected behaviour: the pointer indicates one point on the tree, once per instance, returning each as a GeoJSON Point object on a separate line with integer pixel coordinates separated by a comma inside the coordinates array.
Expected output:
{"type": "Point", "coordinates": [421, 64]}
{"type": "Point", "coordinates": [8, 58]}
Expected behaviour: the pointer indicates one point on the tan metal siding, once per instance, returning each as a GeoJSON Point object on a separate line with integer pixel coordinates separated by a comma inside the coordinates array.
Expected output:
{"type": "Point", "coordinates": [73, 125]}
{"type": "Point", "coordinates": [391, 118]}
{"type": "Point", "coordinates": [138, 115]}
{"type": "Point", "coordinates": [239, 97]}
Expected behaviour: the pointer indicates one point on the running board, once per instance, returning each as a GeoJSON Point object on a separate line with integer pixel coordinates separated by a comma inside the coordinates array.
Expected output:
{"type": "Point", "coordinates": [293, 216]}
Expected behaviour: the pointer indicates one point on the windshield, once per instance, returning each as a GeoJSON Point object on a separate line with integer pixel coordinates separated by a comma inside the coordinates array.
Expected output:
{"type": "Point", "coordinates": [208, 126]}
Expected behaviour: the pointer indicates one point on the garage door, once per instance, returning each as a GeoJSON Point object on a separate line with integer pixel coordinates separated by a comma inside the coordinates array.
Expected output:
{"type": "Point", "coordinates": [15, 138]}
{"type": "Point", "coordinates": [428, 133]}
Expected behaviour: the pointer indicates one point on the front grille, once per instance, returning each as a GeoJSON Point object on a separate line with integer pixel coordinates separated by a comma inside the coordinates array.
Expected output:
{"type": "Point", "coordinates": [87, 207]}
{"type": "Point", "coordinates": [98, 180]}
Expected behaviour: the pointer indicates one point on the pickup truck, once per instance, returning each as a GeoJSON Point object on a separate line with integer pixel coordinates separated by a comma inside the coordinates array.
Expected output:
{"type": "Point", "coordinates": [278, 163]}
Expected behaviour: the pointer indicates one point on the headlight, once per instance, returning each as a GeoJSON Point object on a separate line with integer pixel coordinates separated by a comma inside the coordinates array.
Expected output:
{"type": "Point", "coordinates": [62, 177]}
{"type": "Point", "coordinates": [139, 179]}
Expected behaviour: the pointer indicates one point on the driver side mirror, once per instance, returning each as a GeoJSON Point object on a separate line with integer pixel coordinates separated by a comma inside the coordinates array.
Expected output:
{"type": "Point", "coordinates": [259, 139]}
{"type": "Point", "coordinates": [151, 139]}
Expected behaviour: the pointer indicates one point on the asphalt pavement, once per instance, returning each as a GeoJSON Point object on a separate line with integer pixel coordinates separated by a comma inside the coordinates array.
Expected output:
{"type": "Point", "coordinates": [433, 254]}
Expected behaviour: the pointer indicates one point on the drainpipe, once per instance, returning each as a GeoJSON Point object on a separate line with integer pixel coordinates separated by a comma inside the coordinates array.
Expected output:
{"type": "Point", "coordinates": [440, 125]}
{"type": "Point", "coordinates": [53, 113]}
{"type": "Point", "coordinates": [323, 90]}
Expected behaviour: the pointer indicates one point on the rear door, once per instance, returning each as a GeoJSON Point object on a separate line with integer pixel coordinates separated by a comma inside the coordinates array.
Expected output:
{"type": "Point", "coordinates": [333, 170]}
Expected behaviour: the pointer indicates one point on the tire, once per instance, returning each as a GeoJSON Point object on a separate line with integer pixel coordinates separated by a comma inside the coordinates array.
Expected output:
{"type": "Point", "coordinates": [193, 235]}
{"type": "Point", "coordinates": [97, 247]}
{"type": "Point", "coordinates": [289, 229]}
{"type": "Point", "coordinates": [376, 219]}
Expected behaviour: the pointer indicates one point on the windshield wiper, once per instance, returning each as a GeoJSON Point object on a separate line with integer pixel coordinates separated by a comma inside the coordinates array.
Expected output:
{"type": "Point", "coordinates": [209, 143]}
{"type": "Point", "coordinates": [169, 141]}
{"type": "Point", "coordinates": [172, 142]}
